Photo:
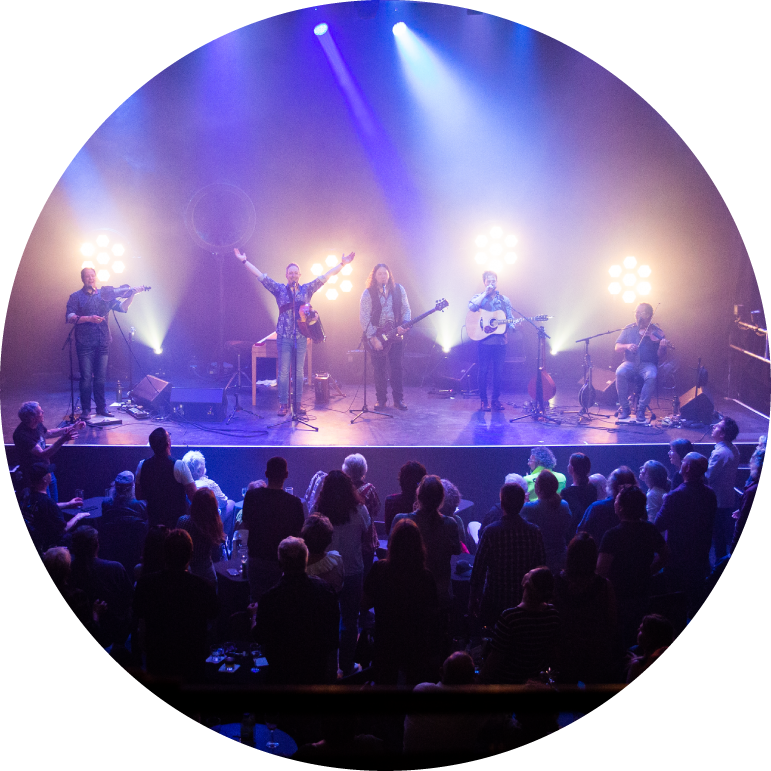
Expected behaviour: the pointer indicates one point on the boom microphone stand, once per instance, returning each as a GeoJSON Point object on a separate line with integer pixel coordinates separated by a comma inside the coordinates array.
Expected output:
{"type": "Point", "coordinates": [364, 409]}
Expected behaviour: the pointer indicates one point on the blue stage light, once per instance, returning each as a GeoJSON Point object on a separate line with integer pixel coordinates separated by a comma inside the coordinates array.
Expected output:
{"type": "Point", "coordinates": [320, 29]}
{"type": "Point", "coordinates": [400, 28]}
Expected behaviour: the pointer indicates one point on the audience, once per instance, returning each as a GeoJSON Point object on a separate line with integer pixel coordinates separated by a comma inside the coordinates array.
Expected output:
{"type": "Point", "coordinates": [205, 528]}
{"type": "Point", "coordinates": [552, 516]}
{"type": "Point", "coordinates": [323, 563]}
{"type": "Point", "coordinates": [449, 508]}
{"type": "Point", "coordinates": [653, 638]}
{"type": "Point", "coordinates": [57, 561]}
{"type": "Point", "coordinates": [270, 515]}
{"type": "Point", "coordinates": [508, 549]}
{"type": "Point", "coordinates": [197, 465]}
{"type": "Point", "coordinates": [403, 592]}
{"type": "Point", "coordinates": [296, 622]}
{"type": "Point", "coordinates": [582, 493]}
{"type": "Point", "coordinates": [721, 477]}
{"type": "Point", "coordinates": [356, 467]}
{"type": "Point", "coordinates": [410, 475]}
{"type": "Point", "coordinates": [654, 476]}
{"type": "Point", "coordinates": [601, 516]}
{"type": "Point", "coordinates": [153, 554]}
{"type": "Point", "coordinates": [748, 496]}
{"type": "Point", "coordinates": [496, 512]}
{"type": "Point", "coordinates": [341, 504]}
{"type": "Point", "coordinates": [678, 449]}
{"type": "Point", "coordinates": [600, 484]}
{"type": "Point", "coordinates": [541, 458]}
{"type": "Point", "coordinates": [122, 499]}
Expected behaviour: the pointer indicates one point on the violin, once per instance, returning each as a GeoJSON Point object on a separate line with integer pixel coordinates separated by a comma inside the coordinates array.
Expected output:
{"type": "Point", "coordinates": [648, 332]}
{"type": "Point", "coordinates": [110, 293]}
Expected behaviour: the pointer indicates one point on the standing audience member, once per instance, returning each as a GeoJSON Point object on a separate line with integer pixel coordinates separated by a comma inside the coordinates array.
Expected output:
{"type": "Point", "coordinates": [163, 482]}
{"type": "Point", "coordinates": [341, 504]}
{"type": "Point", "coordinates": [653, 638]}
{"type": "Point", "coordinates": [153, 554]}
{"type": "Point", "coordinates": [721, 477]}
{"type": "Point", "coordinates": [327, 565]}
{"type": "Point", "coordinates": [452, 499]}
{"type": "Point", "coordinates": [403, 593]}
{"type": "Point", "coordinates": [582, 493]}
{"type": "Point", "coordinates": [403, 502]}
{"type": "Point", "coordinates": [600, 484]}
{"type": "Point", "coordinates": [678, 449]}
{"type": "Point", "coordinates": [630, 553]}
{"type": "Point", "coordinates": [356, 467]}
{"type": "Point", "coordinates": [587, 608]}
{"type": "Point", "coordinates": [197, 465]}
{"type": "Point", "coordinates": [748, 496]}
{"type": "Point", "coordinates": [57, 561]}
{"type": "Point", "coordinates": [654, 476]}
{"type": "Point", "coordinates": [508, 549]}
{"type": "Point", "coordinates": [541, 458]}
{"type": "Point", "coordinates": [270, 515]}
{"type": "Point", "coordinates": [296, 622]}
{"type": "Point", "coordinates": [173, 609]}
{"type": "Point", "coordinates": [496, 512]}
{"type": "Point", "coordinates": [526, 638]}
{"type": "Point", "coordinates": [552, 516]}
{"type": "Point", "coordinates": [688, 518]}
{"type": "Point", "coordinates": [601, 516]}
{"type": "Point", "coordinates": [205, 528]}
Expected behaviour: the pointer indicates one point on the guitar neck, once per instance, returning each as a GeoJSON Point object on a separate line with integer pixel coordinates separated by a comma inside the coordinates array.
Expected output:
{"type": "Point", "coordinates": [418, 318]}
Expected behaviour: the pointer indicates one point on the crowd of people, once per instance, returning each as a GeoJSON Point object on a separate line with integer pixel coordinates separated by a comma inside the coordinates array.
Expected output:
{"type": "Point", "coordinates": [576, 578]}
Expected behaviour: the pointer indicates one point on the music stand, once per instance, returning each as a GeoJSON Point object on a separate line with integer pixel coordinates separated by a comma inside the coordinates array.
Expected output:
{"type": "Point", "coordinates": [364, 409]}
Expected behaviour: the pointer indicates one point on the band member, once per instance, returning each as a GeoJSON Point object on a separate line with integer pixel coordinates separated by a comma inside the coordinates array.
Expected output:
{"type": "Point", "coordinates": [89, 312]}
{"type": "Point", "coordinates": [284, 293]}
{"type": "Point", "coordinates": [385, 301]}
{"type": "Point", "coordinates": [644, 347]}
{"type": "Point", "coordinates": [492, 350]}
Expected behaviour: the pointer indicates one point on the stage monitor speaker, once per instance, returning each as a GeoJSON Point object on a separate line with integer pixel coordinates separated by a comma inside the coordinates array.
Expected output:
{"type": "Point", "coordinates": [151, 391]}
{"type": "Point", "coordinates": [607, 395]}
{"type": "Point", "coordinates": [697, 407]}
{"type": "Point", "coordinates": [199, 404]}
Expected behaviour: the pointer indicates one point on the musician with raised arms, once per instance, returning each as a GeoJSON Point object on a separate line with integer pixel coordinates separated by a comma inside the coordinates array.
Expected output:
{"type": "Point", "coordinates": [284, 294]}
{"type": "Point", "coordinates": [645, 347]}
{"type": "Point", "coordinates": [384, 304]}
{"type": "Point", "coordinates": [492, 347]}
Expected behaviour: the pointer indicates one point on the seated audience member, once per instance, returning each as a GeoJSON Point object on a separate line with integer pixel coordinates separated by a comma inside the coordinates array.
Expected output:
{"type": "Point", "coordinates": [403, 502]}
{"type": "Point", "coordinates": [403, 593]}
{"type": "Point", "coordinates": [654, 476]}
{"type": "Point", "coordinates": [552, 516]}
{"type": "Point", "coordinates": [653, 638]}
{"type": "Point", "coordinates": [296, 622]}
{"type": "Point", "coordinates": [541, 459]}
{"type": "Point", "coordinates": [630, 554]}
{"type": "Point", "coordinates": [356, 467]}
{"type": "Point", "coordinates": [122, 498]}
{"type": "Point", "coordinates": [721, 477]}
{"type": "Point", "coordinates": [43, 517]}
{"type": "Point", "coordinates": [205, 528]}
{"type": "Point", "coordinates": [496, 512]}
{"type": "Point", "coordinates": [166, 484]}
{"type": "Point", "coordinates": [508, 550]}
{"type": "Point", "coordinates": [600, 484]}
{"type": "Point", "coordinates": [123, 526]}
{"type": "Point", "coordinates": [587, 608]}
{"type": "Point", "coordinates": [174, 609]}
{"type": "Point", "coordinates": [687, 517]}
{"type": "Point", "coordinates": [452, 500]}
{"type": "Point", "coordinates": [197, 465]}
{"type": "Point", "coordinates": [748, 496]}
{"type": "Point", "coordinates": [526, 638]}
{"type": "Point", "coordinates": [57, 561]}
{"type": "Point", "coordinates": [678, 449]}
{"type": "Point", "coordinates": [582, 493]}
{"type": "Point", "coordinates": [341, 504]}
{"type": "Point", "coordinates": [270, 515]}
{"type": "Point", "coordinates": [102, 580]}
{"type": "Point", "coordinates": [153, 555]}
{"type": "Point", "coordinates": [326, 565]}
{"type": "Point", "coordinates": [449, 734]}
{"type": "Point", "coordinates": [601, 516]}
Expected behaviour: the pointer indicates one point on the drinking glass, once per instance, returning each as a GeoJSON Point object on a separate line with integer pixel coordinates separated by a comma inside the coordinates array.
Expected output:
{"type": "Point", "coordinates": [79, 494]}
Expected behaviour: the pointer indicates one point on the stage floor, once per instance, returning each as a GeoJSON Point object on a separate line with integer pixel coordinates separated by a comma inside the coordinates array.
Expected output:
{"type": "Point", "coordinates": [432, 420]}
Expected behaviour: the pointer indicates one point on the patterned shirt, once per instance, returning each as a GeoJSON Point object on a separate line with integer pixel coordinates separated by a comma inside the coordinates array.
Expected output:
{"type": "Point", "coordinates": [284, 301]}
{"type": "Point", "coordinates": [386, 310]}
{"type": "Point", "coordinates": [83, 303]}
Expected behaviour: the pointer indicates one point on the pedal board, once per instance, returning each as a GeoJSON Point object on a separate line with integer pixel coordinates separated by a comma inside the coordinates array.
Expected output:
{"type": "Point", "coordinates": [137, 413]}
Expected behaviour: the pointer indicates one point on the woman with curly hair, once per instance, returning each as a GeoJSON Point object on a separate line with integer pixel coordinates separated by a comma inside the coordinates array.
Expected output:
{"type": "Point", "coordinates": [204, 525]}
{"type": "Point", "coordinates": [541, 458]}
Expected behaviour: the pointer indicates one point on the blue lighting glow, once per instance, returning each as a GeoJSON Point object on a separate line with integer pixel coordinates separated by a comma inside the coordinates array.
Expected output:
{"type": "Point", "coordinates": [320, 29]}
{"type": "Point", "coordinates": [400, 28]}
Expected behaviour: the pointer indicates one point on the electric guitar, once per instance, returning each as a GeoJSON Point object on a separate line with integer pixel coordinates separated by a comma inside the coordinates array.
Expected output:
{"type": "Point", "coordinates": [481, 324]}
{"type": "Point", "coordinates": [387, 334]}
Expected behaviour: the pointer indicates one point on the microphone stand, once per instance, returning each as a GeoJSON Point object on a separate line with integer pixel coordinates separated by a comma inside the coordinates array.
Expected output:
{"type": "Point", "coordinates": [68, 341]}
{"type": "Point", "coordinates": [587, 389]}
{"type": "Point", "coordinates": [364, 409]}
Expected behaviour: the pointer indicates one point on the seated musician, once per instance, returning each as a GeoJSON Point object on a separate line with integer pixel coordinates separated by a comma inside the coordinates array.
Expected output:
{"type": "Point", "coordinates": [645, 347]}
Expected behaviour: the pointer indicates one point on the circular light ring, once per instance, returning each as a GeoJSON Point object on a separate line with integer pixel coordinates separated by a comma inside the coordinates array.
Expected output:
{"type": "Point", "coordinates": [614, 288]}
{"type": "Point", "coordinates": [614, 271]}
{"type": "Point", "coordinates": [630, 262]}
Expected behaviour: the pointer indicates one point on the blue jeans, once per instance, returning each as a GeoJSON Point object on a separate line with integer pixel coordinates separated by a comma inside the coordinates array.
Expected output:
{"type": "Point", "coordinates": [625, 375]}
{"type": "Point", "coordinates": [284, 346]}
{"type": "Point", "coordinates": [490, 357]}
{"type": "Point", "coordinates": [92, 360]}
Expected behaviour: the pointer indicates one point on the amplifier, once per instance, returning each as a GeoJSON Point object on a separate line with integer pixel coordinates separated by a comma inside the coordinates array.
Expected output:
{"type": "Point", "coordinates": [199, 404]}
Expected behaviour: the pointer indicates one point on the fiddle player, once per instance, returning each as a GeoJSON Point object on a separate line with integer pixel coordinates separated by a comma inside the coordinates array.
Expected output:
{"type": "Point", "coordinates": [89, 312]}
{"type": "Point", "coordinates": [645, 347]}
{"type": "Point", "coordinates": [491, 350]}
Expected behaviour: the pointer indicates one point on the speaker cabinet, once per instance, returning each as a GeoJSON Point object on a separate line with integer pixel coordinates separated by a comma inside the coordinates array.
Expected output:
{"type": "Point", "coordinates": [697, 407]}
{"type": "Point", "coordinates": [607, 395]}
{"type": "Point", "coordinates": [199, 404]}
{"type": "Point", "coordinates": [151, 392]}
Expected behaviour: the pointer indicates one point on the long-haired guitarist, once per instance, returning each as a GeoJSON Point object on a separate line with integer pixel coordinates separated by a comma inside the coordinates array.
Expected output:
{"type": "Point", "coordinates": [492, 349]}
{"type": "Point", "coordinates": [384, 304]}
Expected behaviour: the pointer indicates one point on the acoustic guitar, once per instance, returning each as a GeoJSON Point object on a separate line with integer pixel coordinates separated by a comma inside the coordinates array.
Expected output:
{"type": "Point", "coordinates": [481, 324]}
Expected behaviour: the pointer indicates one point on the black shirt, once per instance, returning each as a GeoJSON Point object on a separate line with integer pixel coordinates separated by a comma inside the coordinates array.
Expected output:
{"type": "Point", "coordinates": [270, 515]}
{"type": "Point", "coordinates": [633, 546]}
{"type": "Point", "coordinates": [24, 439]}
{"type": "Point", "coordinates": [81, 303]}
{"type": "Point", "coordinates": [579, 498]}
{"type": "Point", "coordinates": [44, 520]}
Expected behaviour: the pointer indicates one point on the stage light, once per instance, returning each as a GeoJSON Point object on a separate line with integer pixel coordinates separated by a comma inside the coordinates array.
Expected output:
{"type": "Point", "coordinates": [320, 29]}
{"type": "Point", "coordinates": [481, 241]}
{"type": "Point", "coordinates": [332, 294]}
{"type": "Point", "coordinates": [644, 271]}
{"type": "Point", "coordinates": [87, 250]}
{"type": "Point", "coordinates": [102, 240]}
{"type": "Point", "coordinates": [317, 269]}
{"type": "Point", "coordinates": [332, 280]}
{"type": "Point", "coordinates": [630, 262]}
{"type": "Point", "coordinates": [629, 279]}
{"type": "Point", "coordinates": [496, 232]}
{"type": "Point", "coordinates": [332, 260]}
{"type": "Point", "coordinates": [629, 296]}
{"type": "Point", "coordinates": [346, 286]}
{"type": "Point", "coordinates": [480, 258]}
{"type": "Point", "coordinates": [643, 288]}
{"type": "Point", "coordinates": [446, 348]}
{"type": "Point", "coordinates": [118, 267]}
{"type": "Point", "coordinates": [103, 258]}
{"type": "Point", "coordinates": [118, 250]}
{"type": "Point", "coordinates": [347, 269]}
{"type": "Point", "coordinates": [87, 264]}
{"type": "Point", "coordinates": [103, 275]}
{"type": "Point", "coordinates": [510, 258]}
{"type": "Point", "coordinates": [399, 29]}
{"type": "Point", "coordinates": [510, 241]}
{"type": "Point", "coordinates": [496, 264]}
{"type": "Point", "coordinates": [614, 288]}
{"type": "Point", "coordinates": [495, 250]}
{"type": "Point", "coordinates": [157, 351]}
{"type": "Point", "coordinates": [614, 271]}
